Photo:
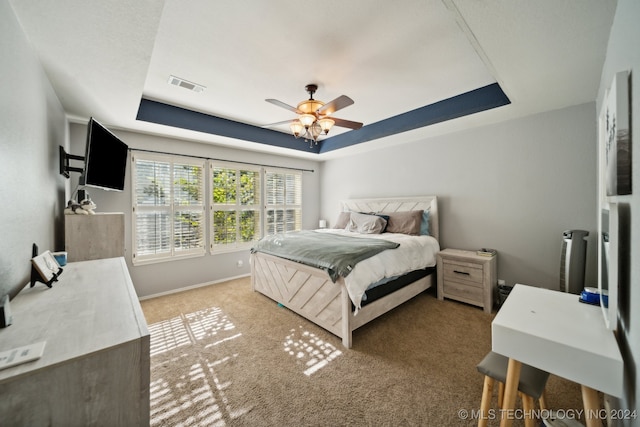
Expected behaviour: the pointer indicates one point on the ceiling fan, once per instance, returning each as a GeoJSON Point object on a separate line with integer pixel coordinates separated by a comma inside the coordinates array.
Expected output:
{"type": "Point", "coordinates": [314, 115]}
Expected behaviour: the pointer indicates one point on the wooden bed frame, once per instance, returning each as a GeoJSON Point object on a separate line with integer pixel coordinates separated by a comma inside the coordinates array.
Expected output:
{"type": "Point", "coordinates": [310, 292]}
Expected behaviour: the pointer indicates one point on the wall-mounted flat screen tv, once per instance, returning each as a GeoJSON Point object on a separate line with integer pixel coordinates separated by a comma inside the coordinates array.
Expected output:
{"type": "Point", "coordinates": [105, 158]}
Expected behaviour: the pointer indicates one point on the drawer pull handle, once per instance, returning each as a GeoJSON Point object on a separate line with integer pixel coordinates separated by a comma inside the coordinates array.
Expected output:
{"type": "Point", "coordinates": [462, 272]}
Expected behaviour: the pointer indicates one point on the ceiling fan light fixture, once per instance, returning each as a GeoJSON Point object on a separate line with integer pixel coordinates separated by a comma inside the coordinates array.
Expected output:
{"type": "Point", "coordinates": [310, 106]}
{"type": "Point", "coordinates": [306, 120]}
{"type": "Point", "coordinates": [315, 130]}
{"type": "Point", "coordinates": [326, 124]}
{"type": "Point", "coordinates": [313, 116]}
{"type": "Point", "coordinates": [296, 128]}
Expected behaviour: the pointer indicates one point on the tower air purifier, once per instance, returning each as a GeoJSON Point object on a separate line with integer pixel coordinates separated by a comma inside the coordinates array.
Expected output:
{"type": "Point", "coordinates": [572, 261]}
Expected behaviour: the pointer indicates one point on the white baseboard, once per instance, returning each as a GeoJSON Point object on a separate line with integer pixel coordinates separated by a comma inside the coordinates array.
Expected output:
{"type": "Point", "coordinates": [186, 288]}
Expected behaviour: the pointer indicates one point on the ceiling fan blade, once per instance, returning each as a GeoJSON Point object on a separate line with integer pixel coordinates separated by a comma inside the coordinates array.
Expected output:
{"type": "Point", "coordinates": [270, 125]}
{"type": "Point", "coordinates": [335, 105]}
{"type": "Point", "coordinates": [283, 105]}
{"type": "Point", "coordinates": [346, 123]}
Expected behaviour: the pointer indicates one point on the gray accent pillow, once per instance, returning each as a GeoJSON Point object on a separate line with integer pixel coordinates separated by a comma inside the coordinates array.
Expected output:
{"type": "Point", "coordinates": [404, 222]}
{"type": "Point", "coordinates": [343, 220]}
{"type": "Point", "coordinates": [366, 224]}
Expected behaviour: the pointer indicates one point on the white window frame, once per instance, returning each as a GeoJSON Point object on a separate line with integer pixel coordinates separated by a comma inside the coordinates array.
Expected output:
{"type": "Point", "coordinates": [208, 206]}
{"type": "Point", "coordinates": [170, 209]}
{"type": "Point", "coordinates": [236, 207]}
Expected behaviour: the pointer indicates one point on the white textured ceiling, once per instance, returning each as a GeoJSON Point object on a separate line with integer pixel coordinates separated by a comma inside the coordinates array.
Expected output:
{"type": "Point", "coordinates": [102, 57]}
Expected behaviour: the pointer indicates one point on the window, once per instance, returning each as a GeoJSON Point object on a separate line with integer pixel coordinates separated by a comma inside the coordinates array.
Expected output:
{"type": "Point", "coordinates": [283, 207]}
{"type": "Point", "coordinates": [168, 207]}
{"type": "Point", "coordinates": [235, 205]}
{"type": "Point", "coordinates": [181, 203]}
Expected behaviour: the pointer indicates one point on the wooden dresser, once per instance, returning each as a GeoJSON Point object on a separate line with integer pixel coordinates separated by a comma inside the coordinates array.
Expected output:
{"type": "Point", "coordinates": [467, 277]}
{"type": "Point", "coordinates": [96, 236]}
{"type": "Point", "coordinates": [95, 366]}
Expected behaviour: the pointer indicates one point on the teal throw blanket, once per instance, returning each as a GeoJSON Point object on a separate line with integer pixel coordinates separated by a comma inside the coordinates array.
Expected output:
{"type": "Point", "coordinates": [336, 254]}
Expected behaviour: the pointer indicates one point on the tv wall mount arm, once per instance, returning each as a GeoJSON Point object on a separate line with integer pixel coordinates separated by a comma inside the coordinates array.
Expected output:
{"type": "Point", "coordinates": [65, 158]}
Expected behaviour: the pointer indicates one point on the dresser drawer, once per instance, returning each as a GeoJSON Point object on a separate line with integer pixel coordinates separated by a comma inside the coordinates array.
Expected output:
{"type": "Point", "coordinates": [458, 271]}
{"type": "Point", "coordinates": [471, 294]}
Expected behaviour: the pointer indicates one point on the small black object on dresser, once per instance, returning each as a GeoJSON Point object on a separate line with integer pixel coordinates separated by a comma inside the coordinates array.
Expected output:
{"type": "Point", "coordinates": [5, 312]}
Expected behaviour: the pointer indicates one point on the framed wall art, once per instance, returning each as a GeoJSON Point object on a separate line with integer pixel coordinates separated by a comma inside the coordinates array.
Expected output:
{"type": "Point", "coordinates": [615, 135]}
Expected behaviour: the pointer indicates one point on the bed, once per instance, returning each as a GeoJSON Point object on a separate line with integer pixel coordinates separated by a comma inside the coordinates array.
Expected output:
{"type": "Point", "coordinates": [327, 298]}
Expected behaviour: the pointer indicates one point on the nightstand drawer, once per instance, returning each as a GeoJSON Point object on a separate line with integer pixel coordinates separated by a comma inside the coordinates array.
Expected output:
{"type": "Point", "coordinates": [463, 292]}
{"type": "Point", "coordinates": [469, 273]}
{"type": "Point", "coordinates": [466, 276]}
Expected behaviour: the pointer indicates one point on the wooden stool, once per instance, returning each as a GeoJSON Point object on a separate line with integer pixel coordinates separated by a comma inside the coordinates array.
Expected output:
{"type": "Point", "coordinates": [531, 386]}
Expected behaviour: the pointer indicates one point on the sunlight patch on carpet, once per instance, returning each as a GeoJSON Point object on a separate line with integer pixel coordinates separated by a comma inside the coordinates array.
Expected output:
{"type": "Point", "coordinates": [195, 395]}
{"type": "Point", "coordinates": [309, 350]}
{"type": "Point", "coordinates": [197, 398]}
{"type": "Point", "coordinates": [190, 328]}
{"type": "Point", "coordinates": [167, 335]}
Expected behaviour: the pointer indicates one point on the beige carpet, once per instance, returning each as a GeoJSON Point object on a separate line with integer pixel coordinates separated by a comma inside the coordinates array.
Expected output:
{"type": "Point", "coordinates": [224, 355]}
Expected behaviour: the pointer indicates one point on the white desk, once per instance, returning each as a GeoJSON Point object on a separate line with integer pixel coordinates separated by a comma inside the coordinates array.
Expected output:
{"type": "Point", "coordinates": [553, 331]}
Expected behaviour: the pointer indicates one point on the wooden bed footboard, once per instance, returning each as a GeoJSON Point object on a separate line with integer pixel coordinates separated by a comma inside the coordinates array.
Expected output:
{"type": "Point", "coordinates": [309, 292]}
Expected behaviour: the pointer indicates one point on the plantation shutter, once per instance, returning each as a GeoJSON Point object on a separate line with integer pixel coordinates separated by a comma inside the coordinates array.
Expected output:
{"type": "Point", "coordinates": [188, 215]}
{"type": "Point", "coordinates": [175, 212]}
{"type": "Point", "coordinates": [283, 209]}
{"type": "Point", "coordinates": [168, 208]}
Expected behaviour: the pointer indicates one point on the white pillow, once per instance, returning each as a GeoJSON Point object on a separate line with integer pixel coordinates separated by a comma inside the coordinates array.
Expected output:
{"type": "Point", "coordinates": [366, 224]}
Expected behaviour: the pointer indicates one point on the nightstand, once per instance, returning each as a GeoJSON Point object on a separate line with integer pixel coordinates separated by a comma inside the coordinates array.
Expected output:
{"type": "Point", "coordinates": [468, 277]}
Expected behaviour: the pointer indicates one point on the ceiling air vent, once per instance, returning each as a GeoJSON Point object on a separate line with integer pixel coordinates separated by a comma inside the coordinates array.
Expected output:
{"type": "Point", "coordinates": [177, 81]}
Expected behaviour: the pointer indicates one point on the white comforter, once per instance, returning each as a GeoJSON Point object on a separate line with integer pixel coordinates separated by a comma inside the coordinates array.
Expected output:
{"type": "Point", "coordinates": [414, 253]}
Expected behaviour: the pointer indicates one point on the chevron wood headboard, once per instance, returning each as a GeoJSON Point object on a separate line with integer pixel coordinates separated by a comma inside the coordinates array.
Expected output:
{"type": "Point", "coordinates": [398, 204]}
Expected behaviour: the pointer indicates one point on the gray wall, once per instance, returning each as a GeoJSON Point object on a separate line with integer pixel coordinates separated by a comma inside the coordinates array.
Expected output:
{"type": "Point", "coordinates": [168, 276]}
{"type": "Point", "coordinates": [513, 186]}
{"type": "Point", "coordinates": [623, 54]}
{"type": "Point", "coordinates": [32, 126]}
